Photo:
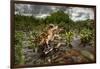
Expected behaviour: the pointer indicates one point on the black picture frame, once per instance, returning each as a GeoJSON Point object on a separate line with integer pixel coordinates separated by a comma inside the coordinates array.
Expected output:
{"type": "Point", "coordinates": [12, 57]}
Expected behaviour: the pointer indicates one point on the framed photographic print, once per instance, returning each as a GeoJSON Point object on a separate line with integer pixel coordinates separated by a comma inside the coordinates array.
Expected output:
{"type": "Point", "coordinates": [49, 34]}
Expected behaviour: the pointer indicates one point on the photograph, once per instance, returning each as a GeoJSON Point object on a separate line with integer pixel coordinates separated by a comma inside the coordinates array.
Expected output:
{"type": "Point", "coordinates": [49, 34]}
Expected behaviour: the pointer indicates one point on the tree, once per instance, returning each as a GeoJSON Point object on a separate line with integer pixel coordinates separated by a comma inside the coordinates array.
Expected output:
{"type": "Point", "coordinates": [58, 17]}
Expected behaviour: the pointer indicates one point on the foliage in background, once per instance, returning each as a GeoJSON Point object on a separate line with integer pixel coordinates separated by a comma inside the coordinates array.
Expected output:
{"type": "Point", "coordinates": [69, 37]}
{"type": "Point", "coordinates": [19, 57]}
{"type": "Point", "coordinates": [86, 35]}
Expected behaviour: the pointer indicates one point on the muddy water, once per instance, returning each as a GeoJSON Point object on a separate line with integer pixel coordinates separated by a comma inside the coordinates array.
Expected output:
{"type": "Point", "coordinates": [83, 53]}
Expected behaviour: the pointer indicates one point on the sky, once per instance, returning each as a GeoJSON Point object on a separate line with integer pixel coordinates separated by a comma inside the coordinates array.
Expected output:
{"type": "Point", "coordinates": [41, 11]}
